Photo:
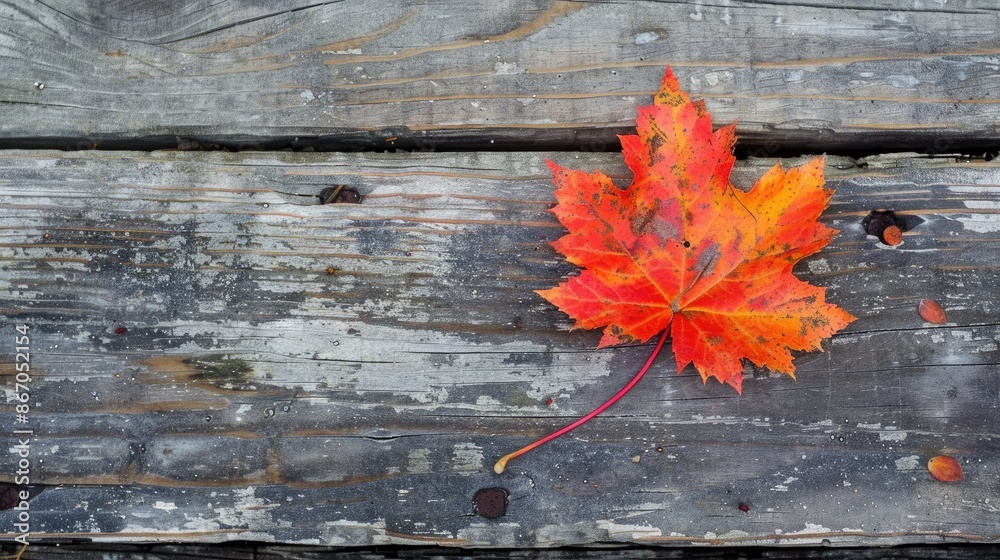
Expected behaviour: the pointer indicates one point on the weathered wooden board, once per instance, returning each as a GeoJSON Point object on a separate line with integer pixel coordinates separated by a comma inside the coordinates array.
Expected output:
{"type": "Point", "coordinates": [215, 355]}
{"type": "Point", "coordinates": [264, 551]}
{"type": "Point", "coordinates": [823, 75]}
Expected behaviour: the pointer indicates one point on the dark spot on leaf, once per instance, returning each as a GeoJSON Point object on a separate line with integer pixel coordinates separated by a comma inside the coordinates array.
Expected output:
{"type": "Point", "coordinates": [640, 222]}
{"type": "Point", "coordinates": [655, 143]}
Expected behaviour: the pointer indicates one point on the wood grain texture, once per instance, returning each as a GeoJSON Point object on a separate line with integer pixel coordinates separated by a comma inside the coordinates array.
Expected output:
{"type": "Point", "coordinates": [264, 551]}
{"type": "Point", "coordinates": [256, 395]}
{"type": "Point", "coordinates": [816, 76]}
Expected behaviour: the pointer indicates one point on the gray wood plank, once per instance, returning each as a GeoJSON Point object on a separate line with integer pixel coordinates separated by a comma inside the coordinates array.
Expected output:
{"type": "Point", "coordinates": [413, 75]}
{"type": "Point", "coordinates": [261, 551]}
{"type": "Point", "coordinates": [198, 374]}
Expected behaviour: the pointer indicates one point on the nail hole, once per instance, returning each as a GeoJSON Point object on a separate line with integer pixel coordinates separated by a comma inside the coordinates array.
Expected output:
{"type": "Point", "coordinates": [9, 496]}
{"type": "Point", "coordinates": [889, 226]}
{"type": "Point", "coordinates": [339, 194]}
{"type": "Point", "coordinates": [491, 502]}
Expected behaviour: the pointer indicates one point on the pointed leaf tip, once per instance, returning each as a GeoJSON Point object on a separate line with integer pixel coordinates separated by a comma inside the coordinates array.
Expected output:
{"type": "Point", "coordinates": [670, 91]}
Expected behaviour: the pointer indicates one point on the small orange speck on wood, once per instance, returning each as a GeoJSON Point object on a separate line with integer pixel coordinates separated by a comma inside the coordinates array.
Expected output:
{"type": "Point", "coordinates": [932, 312]}
{"type": "Point", "coordinates": [892, 235]}
{"type": "Point", "coordinates": [945, 468]}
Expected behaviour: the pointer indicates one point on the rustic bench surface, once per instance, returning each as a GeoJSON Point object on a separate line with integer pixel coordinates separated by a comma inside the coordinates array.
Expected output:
{"type": "Point", "coordinates": [217, 356]}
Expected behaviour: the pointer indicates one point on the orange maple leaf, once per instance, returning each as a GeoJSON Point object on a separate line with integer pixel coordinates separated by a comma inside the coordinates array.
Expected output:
{"type": "Point", "coordinates": [683, 253]}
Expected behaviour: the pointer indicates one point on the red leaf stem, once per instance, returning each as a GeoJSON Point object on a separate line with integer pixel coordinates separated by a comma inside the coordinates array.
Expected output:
{"type": "Point", "coordinates": [502, 463]}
